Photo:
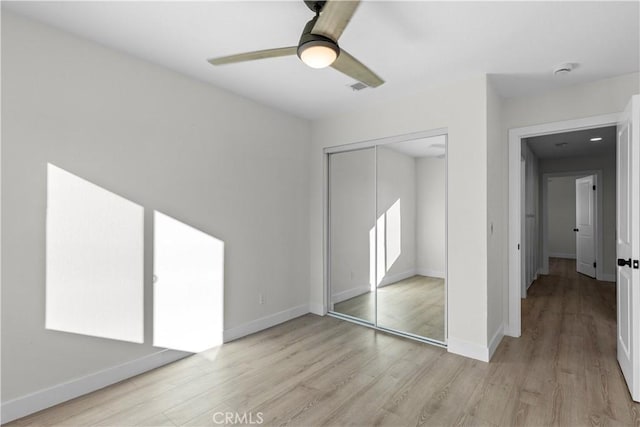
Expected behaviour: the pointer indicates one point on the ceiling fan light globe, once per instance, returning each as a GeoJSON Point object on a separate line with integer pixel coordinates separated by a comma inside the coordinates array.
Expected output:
{"type": "Point", "coordinates": [318, 54]}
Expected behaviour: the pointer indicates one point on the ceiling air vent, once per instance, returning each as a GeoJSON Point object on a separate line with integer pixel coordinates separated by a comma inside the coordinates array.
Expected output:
{"type": "Point", "coordinates": [358, 86]}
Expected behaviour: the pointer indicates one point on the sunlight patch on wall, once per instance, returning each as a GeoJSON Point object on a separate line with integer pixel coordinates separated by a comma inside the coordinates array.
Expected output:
{"type": "Point", "coordinates": [188, 286]}
{"type": "Point", "coordinates": [389, 243]}
{"type": "Point", "coordinates": [382, 250]}
{"type": "Point", "coordinates": [372, 259]}
{"type": "Point", "coordinates": [393, 233]}
{"type": "Point", "coordinates": [94, 260]}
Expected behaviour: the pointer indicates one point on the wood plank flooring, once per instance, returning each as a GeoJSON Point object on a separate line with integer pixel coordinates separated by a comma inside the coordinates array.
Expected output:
{"type": "Point", "coordinates": [321, 371]}
{"type": "Point", "coordinates": [414, 305]}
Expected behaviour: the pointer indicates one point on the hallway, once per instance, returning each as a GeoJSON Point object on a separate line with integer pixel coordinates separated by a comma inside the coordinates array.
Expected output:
{"type": "Point", "coordinates": [569, 343]}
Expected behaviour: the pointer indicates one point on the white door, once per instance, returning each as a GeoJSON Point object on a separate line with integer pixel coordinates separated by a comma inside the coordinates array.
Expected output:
{"type": "Point", "coordinates": [628, 242]}
{"type": "Point", "coordinates": [585, 225]}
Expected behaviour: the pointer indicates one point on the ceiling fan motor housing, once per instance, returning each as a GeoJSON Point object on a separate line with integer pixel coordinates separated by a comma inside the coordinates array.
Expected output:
{"type": "Point", "coordinates": [315, 5]}
{"type": "Point", "coordinates": [308, 40]}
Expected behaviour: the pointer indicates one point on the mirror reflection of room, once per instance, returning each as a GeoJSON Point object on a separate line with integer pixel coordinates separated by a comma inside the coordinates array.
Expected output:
{"type": "Point", "coordinates": [352, 233]}
{"type": "Point", "coordinates": [411, 237]}
{"type": "Point", "coordinates": [387, 208]}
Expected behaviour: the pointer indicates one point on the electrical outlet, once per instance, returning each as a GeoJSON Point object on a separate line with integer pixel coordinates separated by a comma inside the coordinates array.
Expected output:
{"type": "Point", "coordinates": [261, 298]}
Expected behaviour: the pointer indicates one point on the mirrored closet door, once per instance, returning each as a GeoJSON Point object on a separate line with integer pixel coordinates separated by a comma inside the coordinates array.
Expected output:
{"type": "Point", "coordinates": [387, 236]}
{"type": "Point", "coordinates": [352, 204]}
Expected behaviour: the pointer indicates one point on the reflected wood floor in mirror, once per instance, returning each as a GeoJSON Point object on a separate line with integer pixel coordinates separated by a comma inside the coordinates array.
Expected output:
{"type": "Point", "coordinates": [314, 371]}
{"type": "Point", "coordinates": [414, 305]}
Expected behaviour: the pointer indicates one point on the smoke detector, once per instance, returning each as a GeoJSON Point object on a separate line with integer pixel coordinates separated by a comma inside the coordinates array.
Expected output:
{"type": "Point", "coordinates": [564, 69]}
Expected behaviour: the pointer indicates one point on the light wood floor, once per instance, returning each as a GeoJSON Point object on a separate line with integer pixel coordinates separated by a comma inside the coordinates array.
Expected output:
{"type": "Point", "coordinates": [414, 305]}
{"type": "Point", "coordinates": [323, 371]}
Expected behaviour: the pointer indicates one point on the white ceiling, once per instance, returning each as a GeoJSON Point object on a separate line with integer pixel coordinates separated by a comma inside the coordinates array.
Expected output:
{"type": "Point", "coordinates": [424, 147]}
{"type": "Point", "coordinates": [412, 45]}
{"type": "Point", "coordinates": [577, 144]}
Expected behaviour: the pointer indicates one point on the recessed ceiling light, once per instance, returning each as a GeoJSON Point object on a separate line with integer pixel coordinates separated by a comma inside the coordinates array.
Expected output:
{"type": "Point", "coordinates": [596, 139]}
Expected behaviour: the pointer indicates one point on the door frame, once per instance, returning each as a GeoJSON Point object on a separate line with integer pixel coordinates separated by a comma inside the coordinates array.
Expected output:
{"type": "Point", "coordinates": [516, 238]}
{"type": "Point", "coordinates": [599, 227]}
{"type": "Point", "coordinates": [326, 222]}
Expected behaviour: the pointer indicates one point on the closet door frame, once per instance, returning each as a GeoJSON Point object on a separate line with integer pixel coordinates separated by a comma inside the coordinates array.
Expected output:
{"type": "Point", "coordinates": [374, 143]}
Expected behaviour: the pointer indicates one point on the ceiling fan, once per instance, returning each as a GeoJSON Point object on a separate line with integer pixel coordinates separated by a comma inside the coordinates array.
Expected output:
{"type": "Point", "coordinates": [318, 45]}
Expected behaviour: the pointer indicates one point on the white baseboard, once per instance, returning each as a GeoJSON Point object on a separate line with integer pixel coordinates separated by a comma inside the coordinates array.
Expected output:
{"type": "Point", "coordinates": [264, 322]}
{"type": "Point", "coordinates": [495, 341]}
{"type": "Point", "coordinates": [389, 280]}
{"type": "Point", "coordinates": [508, 332]}
{"type": "Point", "coordinates": [561, 255]}
{"type": "Point", "coordinates": [530, 281]}
{"type": "Point", "coordinates": [350, 293]}
{"type": "Point", "coordinates": [430, 273]}
{"type": "Point", "coordinates": [318, 309]}
{"type": "Point", "coordinates": [34, 402]}
{"type": "Point", "coordinates": [467, 349]}
{"type": "Point", "coordinates": [607, 277]}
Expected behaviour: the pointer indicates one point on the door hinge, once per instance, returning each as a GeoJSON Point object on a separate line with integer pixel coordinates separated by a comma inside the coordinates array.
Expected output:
{"type": "Point", "coordinates": [594, 265]}
{"type": "Point", "coordinates": [636, 264]}
{"type": "Point", "coordinates": [594, 188]}
{"type": "Point", "coordinates": [518, 246]}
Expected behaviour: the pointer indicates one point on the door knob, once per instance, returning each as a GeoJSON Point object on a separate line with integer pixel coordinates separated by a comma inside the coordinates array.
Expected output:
{"type": "Point", "coordinates": [576, 230]}
{"type": "Point", "coordinates": [623, 262]}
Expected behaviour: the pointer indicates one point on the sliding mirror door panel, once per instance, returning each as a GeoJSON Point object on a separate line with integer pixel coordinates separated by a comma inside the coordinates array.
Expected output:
{"type": "Point", "coordinates": [352, 254]}
{"type": "Point", "coordinates": [410, 217]}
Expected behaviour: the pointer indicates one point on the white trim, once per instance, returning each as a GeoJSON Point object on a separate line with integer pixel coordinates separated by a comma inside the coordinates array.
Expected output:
{"type": "Point", "coordinates": [559, 255]}
{"type": "Point", "coordinates": [390, 280]}
{"type": "Point", "coordinates": [496, 340]}
{"type": "Point", "coordinates": [430, 273]}
{"type": "Point", "coordinates": [467, 349]}
{"type": "Point", "coordinates": [385, 140]}
{"type": "Point", "coordinates": [318, 309]}
{"type": "Point", "coordinates": [326, 241]}
{"type": "Point", "coordinates": [39, 400]}
{"type": "Point", "coordinates": [264, 322]}
{"type": "Point", "coordinates": [350, 293]}
{"type": "Point", "coordinates": [515, 254]}
{"type": "Point", "coordinates": [515, 135]}
{"type": "Point", "coordinates": [608, 277]}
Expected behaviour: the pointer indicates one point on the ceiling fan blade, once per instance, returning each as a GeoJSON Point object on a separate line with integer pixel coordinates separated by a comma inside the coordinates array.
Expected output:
{"type": "Point", "coordinates": [350, 66]}
{"type": "Point", "coordinates": [252, 56]}
{"type": "Point", "coordinates": [334, 18]}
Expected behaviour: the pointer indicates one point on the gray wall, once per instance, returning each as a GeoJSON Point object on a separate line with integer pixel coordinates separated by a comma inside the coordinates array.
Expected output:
{"type": "Point", "coordinates": [220, 163]}
{"type": "Point", "coordinates": [431, 216]}
{"type": "Point", "coordinates": [561, 214]}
